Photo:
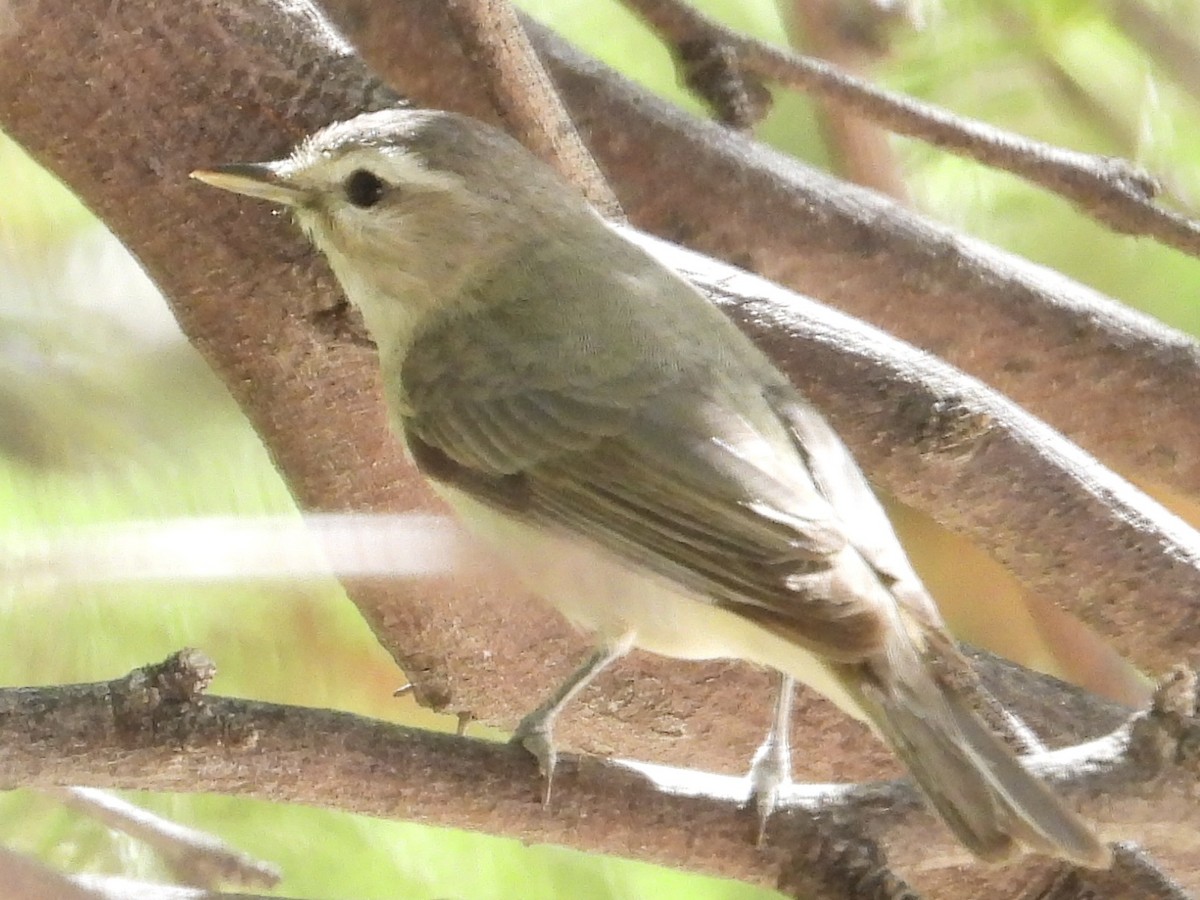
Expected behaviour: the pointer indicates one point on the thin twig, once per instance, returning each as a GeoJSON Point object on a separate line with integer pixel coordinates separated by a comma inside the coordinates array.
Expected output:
{"type": "Point", "coordinates": [22, 878]}
{"type": "Point", "coordinates": [196, 857]}
{"type": "Point", "coordinates": [860, 148]}
{"type": "Point", "coordinates": [495, 42]}
{"type": "Point", "coordinates": [1171, 48]}
{"type": "Point", "coordinates": [735, 96]}
{"type": "Point", "coordinates": [1111, 190]}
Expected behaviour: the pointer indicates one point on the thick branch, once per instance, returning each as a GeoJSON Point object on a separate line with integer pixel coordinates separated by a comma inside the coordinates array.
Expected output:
{"type": "Point", "coordinates": [155, 731]}
{"type": "Point", "coordinates": [126, 734]}
{"type": "Point", "coordinates": [1133, 875]}
{"type": "Point", "coordinates": [940, 441]}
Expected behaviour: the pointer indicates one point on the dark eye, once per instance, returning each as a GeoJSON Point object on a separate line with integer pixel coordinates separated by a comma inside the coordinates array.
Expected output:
{"type": "Point", "coordinates": [363, 188]}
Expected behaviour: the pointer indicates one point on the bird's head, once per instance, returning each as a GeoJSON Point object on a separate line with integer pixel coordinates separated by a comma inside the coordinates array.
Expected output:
{"type": "Point", "coordinates": [409, 205]}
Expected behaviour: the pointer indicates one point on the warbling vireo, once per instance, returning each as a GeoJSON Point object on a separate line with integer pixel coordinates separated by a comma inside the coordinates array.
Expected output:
{"type": "Point", "coordinates": [643, 466]}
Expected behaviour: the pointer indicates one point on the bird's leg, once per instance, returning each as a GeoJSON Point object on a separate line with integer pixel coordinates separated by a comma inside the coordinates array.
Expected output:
{"type": "Point", "coordinates": [771, 768]}
{"type": "Point", "coordinates": [535, 732]}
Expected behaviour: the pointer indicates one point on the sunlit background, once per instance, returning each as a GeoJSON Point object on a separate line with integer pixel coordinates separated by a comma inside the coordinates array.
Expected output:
{"type": "Point", "coordinates": [106, 414]}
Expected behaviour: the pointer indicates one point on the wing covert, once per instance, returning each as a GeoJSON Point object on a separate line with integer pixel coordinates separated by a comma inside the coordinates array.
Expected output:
{"type": "Point", "coordinates": [669, 488]}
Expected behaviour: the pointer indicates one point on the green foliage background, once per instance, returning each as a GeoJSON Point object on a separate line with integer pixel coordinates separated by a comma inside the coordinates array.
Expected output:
{"type": "Point", "coordinates": [106, 414]}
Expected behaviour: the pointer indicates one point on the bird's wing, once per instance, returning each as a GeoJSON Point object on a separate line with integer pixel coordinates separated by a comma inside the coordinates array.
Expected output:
{"type": "Point", "coordinates": [840, 480]}
{"type": "Point", "coordinates": [679, 484]}
{"type": "Point", "coordinates": [662, 446]}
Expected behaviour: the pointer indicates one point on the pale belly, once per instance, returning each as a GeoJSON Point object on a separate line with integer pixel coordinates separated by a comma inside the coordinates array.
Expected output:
{"type": "Point", "coordinates": [600, 594]}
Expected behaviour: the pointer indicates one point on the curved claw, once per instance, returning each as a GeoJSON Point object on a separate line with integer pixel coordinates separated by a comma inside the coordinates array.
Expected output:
{"type": "Point", "coordinates": [771, 768]}
{"type": "Point", "coordinates": [534, 732]}
{"type": "Point", "coordinates": [534, 735]}
{"type": "Point", "coordinates": [770, 771]}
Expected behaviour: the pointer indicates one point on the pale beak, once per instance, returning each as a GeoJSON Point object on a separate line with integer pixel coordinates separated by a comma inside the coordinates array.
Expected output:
{"type": "Point", "coordinates": [261, 180]}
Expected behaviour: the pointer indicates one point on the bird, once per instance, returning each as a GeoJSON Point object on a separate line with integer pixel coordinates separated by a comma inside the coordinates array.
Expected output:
{"type": "Point", "coordinates": [638, 462]}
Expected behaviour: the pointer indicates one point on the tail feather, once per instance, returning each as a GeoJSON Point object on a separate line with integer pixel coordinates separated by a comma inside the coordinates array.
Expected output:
{"type": "Point", "coordinates": [976, 784]}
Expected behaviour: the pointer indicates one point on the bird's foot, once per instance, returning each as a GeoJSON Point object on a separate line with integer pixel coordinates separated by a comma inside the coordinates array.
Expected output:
{"type": "Point", "coordinates": [535, 736]}
{"type": "Point", "coordinates": [770, 772]}
{"type": "Point", "coordinates": [534, 733]}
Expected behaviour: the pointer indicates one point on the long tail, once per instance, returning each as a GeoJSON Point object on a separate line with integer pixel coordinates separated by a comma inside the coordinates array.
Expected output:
{"type": "Point", "coordinates": [978, 787]}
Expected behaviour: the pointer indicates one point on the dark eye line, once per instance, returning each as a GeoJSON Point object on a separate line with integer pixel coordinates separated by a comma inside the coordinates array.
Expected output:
{"type": "Point", "coordinates": [363, 188]}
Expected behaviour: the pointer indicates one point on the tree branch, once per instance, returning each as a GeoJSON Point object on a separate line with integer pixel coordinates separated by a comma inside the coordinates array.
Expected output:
{"type": "Point", "coordinates": [494, 40]}
{"type": "Point", "coordinates": [154, 730]}
{"type": "Point", "coordinates": [1133, 875]}
{"type": "Point", "coordinates": [860, 148]}
{"type": "Point", "coordinates": [1113, 191]}
{"type": "Point", "coordinates": [195, 857]}
{"type": "Point", "coordinates": [23, 879]}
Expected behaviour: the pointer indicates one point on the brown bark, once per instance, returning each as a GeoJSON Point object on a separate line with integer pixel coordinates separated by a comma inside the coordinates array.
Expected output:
{"type": "Point", "coordinates": [153, 729]}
